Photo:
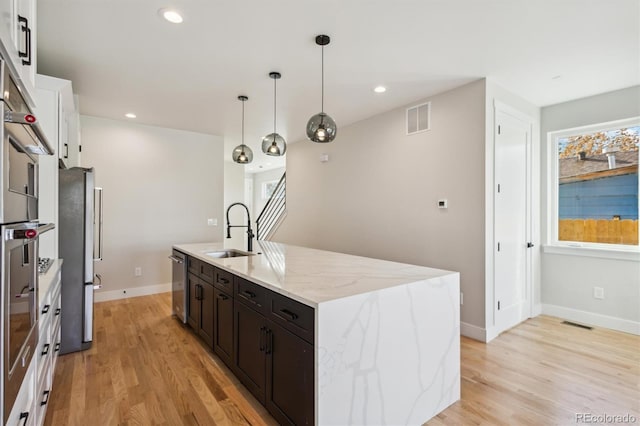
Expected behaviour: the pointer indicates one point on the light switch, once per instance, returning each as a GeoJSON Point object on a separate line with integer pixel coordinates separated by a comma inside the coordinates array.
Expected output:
{"type": "Point", "coordinates": [212, 222]}
{"type": "Point", "coordinates": [442, 204]}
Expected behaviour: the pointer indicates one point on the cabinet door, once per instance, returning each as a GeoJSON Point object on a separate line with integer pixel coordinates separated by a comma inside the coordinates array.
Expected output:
{"type": "Point", "coordinates": [193, 310]}
{"type": "Point", "coordinates": [223, 326]}
{"type": "Point", "coordinates": [207, 309]}
{"type": "Point", "coordinates": [290, 373]}
{"type": "Point", "coordinates": [250, 342]}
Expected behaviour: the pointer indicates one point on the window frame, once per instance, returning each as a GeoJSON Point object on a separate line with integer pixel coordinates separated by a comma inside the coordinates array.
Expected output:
{"type": "Point", "coordinates": [621, 251]}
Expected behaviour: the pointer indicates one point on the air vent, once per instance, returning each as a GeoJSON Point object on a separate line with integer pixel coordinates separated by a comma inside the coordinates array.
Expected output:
{"type": "Point", "coordinates": [575, 324]}
{"type": "Point", "coordinates": [418, 118]}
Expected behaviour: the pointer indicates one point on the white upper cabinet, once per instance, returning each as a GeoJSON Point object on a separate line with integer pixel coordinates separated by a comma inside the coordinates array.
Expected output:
{"type": "Point", "coordinates": [18, 42]}
{"type": "Point", "coordinates": [59, 117]}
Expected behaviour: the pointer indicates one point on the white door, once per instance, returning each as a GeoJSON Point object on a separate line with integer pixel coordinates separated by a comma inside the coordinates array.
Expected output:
{"type": "Point", "coordinates": [512, 220]}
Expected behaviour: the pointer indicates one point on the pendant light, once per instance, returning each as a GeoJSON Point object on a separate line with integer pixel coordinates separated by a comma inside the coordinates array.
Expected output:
{"type": "Point", "coordinates": [242, 154]}
{"type": "Point", "coordinates": [274, 144]}
{"type": "Point", "coordinates": [321, 128]}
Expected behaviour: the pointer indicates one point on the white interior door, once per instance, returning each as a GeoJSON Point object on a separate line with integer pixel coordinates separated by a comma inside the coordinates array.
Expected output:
{"type": "Point", "coordinates": [512, 221]}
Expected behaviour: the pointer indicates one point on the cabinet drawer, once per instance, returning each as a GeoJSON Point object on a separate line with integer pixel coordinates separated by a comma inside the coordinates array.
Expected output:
{"type": "Point", "coordinates": [206, 272]}
{"type": "Point", "coordinates": [251, 295]}
{"type": "Point", "coordinates": [296, 317]}
{"type": "Point", "coordinates": [193, 265]}
{"type": "Point", "coordinates": [223, 280]}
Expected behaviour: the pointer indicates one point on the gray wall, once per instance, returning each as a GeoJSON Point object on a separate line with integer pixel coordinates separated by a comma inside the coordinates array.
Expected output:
{"type": "Point", "coordinates": [568, 280]}
{"type": "Point", "coordinates": [160, 186]}
{"type": "Point", "coordinates": [377, 196]}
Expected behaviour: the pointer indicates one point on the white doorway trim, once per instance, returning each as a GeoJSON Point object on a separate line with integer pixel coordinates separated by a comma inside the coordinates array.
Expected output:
{"type": "Point", "coordinates": [492, 328]}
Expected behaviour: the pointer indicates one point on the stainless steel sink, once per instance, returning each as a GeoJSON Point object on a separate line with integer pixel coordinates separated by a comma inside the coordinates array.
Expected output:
{"type": "Point", "coordinates": [227, 253]}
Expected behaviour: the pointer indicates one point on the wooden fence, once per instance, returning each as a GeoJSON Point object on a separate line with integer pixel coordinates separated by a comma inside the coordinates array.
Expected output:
{"type": "Point", "coordinates": [599, 231]}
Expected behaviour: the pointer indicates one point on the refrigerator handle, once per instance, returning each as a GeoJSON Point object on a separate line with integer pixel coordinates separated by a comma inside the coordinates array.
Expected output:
{"type": "Point", "coordinates": [88, 313]}
{"type": "Point", "coordinates": [100, 218]}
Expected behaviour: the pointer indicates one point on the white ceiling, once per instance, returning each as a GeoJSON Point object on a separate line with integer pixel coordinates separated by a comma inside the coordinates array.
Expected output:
{"type": "Point", "coordinates": [122, 57]}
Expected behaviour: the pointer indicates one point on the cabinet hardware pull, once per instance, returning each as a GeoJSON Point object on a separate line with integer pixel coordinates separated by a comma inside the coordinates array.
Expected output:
{"type": "Point", "coordinates": [223, 297]}
{"type": "Point", "coordinates": [198, 292]}
{"type": "Point", "coordinates": [45, 394]}
{"type": "Point", "coordinates": [269, 342]}
{"type": "Point", "coordinates": [45, 309]}
{"type": "Point", "coordinates": [57, 347]}
{"type": "Point", "coordinates": [24, 27]}
{"type": "Point", "coordinates": [249, 294]}
{"type": "Point", "coordinates": [223, 280]}
{"type": "Point", "coordinates": [46, 349]}
{"type": "Point", "coordinates": [25, 416]}
{"type": "Point", "coordinates": [66, 150]}
{"type": "Point", "coordinates": [58, 310]}
{"type": "Point", "coordinates": [290, 315]}
{"type": "Point", "coordinates": [262, 338]}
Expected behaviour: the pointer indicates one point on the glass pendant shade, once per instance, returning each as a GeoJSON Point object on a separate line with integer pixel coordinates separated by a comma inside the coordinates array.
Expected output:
{"type": "Point", "coordinates": [242, 154]}
{"type": "Point", "coordinates": [321, 128]}
{"type": "Point", "coordinates": [274, 144]}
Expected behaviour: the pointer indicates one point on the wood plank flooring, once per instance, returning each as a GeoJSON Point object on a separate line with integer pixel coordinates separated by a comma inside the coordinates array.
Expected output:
{"type": "Point", "coordinates": [145, 368]}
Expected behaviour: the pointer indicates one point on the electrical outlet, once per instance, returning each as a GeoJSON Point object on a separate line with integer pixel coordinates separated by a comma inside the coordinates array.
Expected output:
{"type": "Point", "coordinates": [598, 292]}
{"type": "Point", "coordinates": [461, 298]}
{"type": "Point", "coordinates": [138, 271]}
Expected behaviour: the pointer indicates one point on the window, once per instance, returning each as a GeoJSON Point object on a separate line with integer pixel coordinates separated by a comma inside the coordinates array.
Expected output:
{"type": "Point", "coordinates": [594, 190]}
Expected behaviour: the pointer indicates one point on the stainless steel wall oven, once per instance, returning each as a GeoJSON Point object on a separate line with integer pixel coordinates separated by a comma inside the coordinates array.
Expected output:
{"type": "Point", "coordinates": [21, 141]}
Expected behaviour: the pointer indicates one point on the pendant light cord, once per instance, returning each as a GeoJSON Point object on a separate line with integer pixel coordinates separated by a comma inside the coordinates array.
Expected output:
{"type": "Point", "coordinates": [243, 122]}
{"type": "Point", "coordinates": [322, 102]}
{"type": "Point", "coordinates": [275, 95]}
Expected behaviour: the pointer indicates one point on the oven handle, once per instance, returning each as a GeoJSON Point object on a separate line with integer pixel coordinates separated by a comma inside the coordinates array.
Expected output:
{"type": "Point", "coordinates": [30, 120]}
{"type": "Point", "coordinates": [42, 228]}
{"type": "Point", "coordinates": [28, 232]}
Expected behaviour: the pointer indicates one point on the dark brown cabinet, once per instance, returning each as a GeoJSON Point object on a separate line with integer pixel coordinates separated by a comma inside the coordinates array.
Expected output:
{"type": "Point", "coordinates": [289, 387]}
{"type": "Point", "coordinates": [200, 310]}
{"type": "Point", "coordinates": [250, 343]}
{"type": "Point", "coordinates": [274, 361]}
{"type": "Point", "coordinates": [223, 326]}
{"type": "Point", "coordinates": [193, 310]}
{"type": "Point", "coordinates": [264, 337]}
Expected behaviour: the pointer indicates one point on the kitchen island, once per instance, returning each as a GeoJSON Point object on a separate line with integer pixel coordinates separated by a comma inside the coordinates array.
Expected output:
{"type": "Point", "coordinates": [385, 336]}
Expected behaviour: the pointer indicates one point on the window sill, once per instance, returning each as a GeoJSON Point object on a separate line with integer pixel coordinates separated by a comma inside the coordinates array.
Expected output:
{"type": "Point", "coordinates": [633, 254]}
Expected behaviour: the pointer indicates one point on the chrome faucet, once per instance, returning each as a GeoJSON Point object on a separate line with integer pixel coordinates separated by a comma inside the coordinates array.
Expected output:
{"type": "Point", "coordinates": [248, 226]}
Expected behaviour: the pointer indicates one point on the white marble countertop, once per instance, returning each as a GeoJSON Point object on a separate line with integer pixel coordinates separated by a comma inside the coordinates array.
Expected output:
{"type": "Point", "coordinates": [46, 280]}
{"type": "Point", "coordinates": [313, 276]}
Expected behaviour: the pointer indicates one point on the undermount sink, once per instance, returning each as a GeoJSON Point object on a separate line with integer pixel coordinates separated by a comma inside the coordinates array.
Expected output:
{"type": "Point", "coordinates": [227, 253]}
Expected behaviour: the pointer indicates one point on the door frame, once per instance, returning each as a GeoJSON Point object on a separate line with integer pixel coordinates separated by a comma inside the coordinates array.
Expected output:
{"type": "Point", "coordinates": [491, 326]}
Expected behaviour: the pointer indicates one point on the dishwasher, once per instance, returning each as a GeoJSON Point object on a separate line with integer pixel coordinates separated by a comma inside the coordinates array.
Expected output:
{"type": "Point", "coordinates": [178, 285]}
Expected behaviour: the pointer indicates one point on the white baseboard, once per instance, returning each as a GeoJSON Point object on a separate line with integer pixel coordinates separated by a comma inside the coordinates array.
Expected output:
{"type": "Point", "coordinates": [591, 318]}
{"type": "Point", "coordinates": [473, 331]}
{"type": "Point", "coordinates": [124, 293]}
{"type": "Point", "coordinates": [537, 310]}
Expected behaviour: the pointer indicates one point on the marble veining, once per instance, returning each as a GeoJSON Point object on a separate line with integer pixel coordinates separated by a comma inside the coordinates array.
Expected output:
{"type": "Point", "coordinates": [387, 334]}
{"type": "Point", "coordinates": [389, 357]}
{"type": "Point", "coordinates": [313, 276]}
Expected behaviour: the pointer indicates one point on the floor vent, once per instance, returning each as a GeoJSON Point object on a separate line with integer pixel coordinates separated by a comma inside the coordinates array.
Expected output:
{"type": "Point", "coordinates": [575, 324]}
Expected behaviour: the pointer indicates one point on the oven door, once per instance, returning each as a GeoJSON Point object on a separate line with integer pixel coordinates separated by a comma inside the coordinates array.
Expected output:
{"type": "Point", "coordinates": [19, 303]}
{"type": "Point", "coordinates": [19, 174]}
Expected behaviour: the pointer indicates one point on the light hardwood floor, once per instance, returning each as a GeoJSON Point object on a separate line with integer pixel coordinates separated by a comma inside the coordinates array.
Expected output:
{"type": "Point", "coordinates": [145, 368]}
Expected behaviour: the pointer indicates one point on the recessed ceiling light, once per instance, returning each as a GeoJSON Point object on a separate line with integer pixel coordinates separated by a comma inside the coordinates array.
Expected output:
{"type": "Point", "coordinates": [130, 115]}
{"type": "Point", "coordinates": [556, 77]}
{"type": "Point", "coordinates": [171, 15]}
{"type": "Point", "coordinates": [380, 89]}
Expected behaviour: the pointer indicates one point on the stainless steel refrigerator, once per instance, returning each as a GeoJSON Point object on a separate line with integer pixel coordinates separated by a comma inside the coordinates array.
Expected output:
{"type": "Point", "coordinates": [80, 218]}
